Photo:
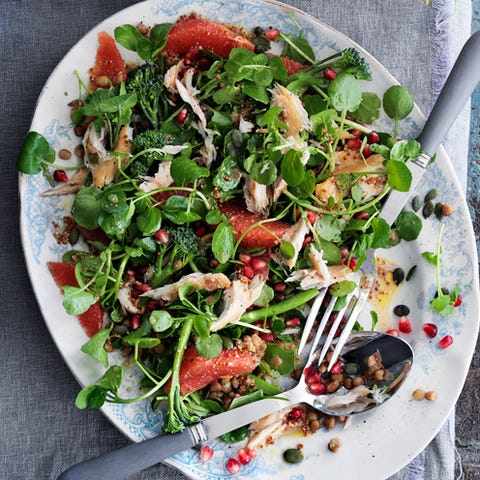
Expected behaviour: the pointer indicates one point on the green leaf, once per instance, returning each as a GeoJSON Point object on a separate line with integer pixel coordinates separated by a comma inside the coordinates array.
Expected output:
{"type": "Point", "coordinates": [330, 228]}
{"type": "Point", "coordinates": [381, 233]}
{"type": "Point", "coordinates": [149, 221]}
{"type": "Point", "coordinates": [278, 69]}
{"type": "Point", "coordinates": [431, 257]}
{"type": "Point", "coordinates": [201, 325]}
{"type": "Point", "coordinates": [331, 253]}
{"type": "Point", "coordinates": [86, 207]}
{"type": "Point", "coordinates": [144, 342]}
{"type": "Point", "coordinates": [287, 250]}
{"type": "Point", "coordinates": [374, 317]}
{"type": "Point", "coordinates": [112, 378]}
{"type": "Point", "coordinates": [264, 173]}
{"type": "Point", "coordinates": [95, 347]}
{"type": "Point", "coordinates": [160, 320]}
{"type": "Point", "coordinates": [265, 387]}
{"type": "Point", "coordinates": [77, 301]}
{"type": "Point", "coordinates": [323, 120]}
{"type": "Point", "coordinates": [86, 394]}
{"type": "Point", "coordinates": [266, 296]}
{"type": "Point", "coordinates": [245, 399]}
{"type": "Point", "coordinates": [399, 175]}
{"type": "Point", "coordinates": [223, 242]}
{"type": "Point", "coordinates": [35, 152]}
{"type": "Point", "coordinates": [159, 36]}
{"type": "Point", "coordinates": [342, 288]}
{"type": "Point", "coordinates": [177, 209]}
{"type": "Point", "coordinates": [345, 92]}
{"type": "Point", "coordinates": [116, 224]}
{"type": "Point", "coordinates": [443, 305]}
{"type": "Point", "coordinates": [281, 360]}
{"type": "Point", "coordinates": [369, 108]}
{"type": "Point", "coordinates": [257, 92]}
{"type": "Point", "coordinates": [185, 171]}
{"type": "Point", "coordinates": [397, 102]}
{"type": "Point", "coordinates": [127, 36]}
{"type": "Point", "coordinates": [209, 347]}
{"type": "Point", "coordinates": [292, 169]}
{"type": "Point", "coordinates": [228, 175]}
{"type": "Point", "coordinates": [297, 48]}
{"type": "Point", "coordinates": [408, 226]}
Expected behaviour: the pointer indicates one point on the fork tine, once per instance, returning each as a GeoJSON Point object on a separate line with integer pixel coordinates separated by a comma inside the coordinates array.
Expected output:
{"type": "Point", "coordinates": [365, 286]}
{"type": "Point", "coordinates": [321, 327]}
{"type": "Point", "coordinates": [317, 303]}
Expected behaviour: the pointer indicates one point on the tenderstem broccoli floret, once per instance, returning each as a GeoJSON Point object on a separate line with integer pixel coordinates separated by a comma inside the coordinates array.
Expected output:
{"type": "Point", "coordinates": [349, 60]}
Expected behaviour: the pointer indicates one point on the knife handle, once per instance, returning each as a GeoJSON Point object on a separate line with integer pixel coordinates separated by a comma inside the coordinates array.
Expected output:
{"type": "Point", "coordinates": [124, 462]}
{"type": "Point", "coordinates": [458, 87]}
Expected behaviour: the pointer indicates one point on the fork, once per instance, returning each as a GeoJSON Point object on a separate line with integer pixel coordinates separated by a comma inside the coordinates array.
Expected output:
{"type": "Point", "coordinates": [355, 301]}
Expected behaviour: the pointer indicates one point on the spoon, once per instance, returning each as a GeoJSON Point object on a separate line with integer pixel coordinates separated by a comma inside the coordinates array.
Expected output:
{"type": "Point", "coordinates": [397, 357]}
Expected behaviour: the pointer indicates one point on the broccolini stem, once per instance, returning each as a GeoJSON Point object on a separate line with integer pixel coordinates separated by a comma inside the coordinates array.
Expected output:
{"type": "Point", "coordinates": [298, 300]}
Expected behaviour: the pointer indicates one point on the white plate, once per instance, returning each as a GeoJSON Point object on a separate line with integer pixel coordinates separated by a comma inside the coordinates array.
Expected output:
{"type": "Point", "coordinates": [368, 450]}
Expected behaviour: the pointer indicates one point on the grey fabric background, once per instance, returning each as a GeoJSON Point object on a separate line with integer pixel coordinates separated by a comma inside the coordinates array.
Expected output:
{"type": "Point", "coordinates": [41, 432]}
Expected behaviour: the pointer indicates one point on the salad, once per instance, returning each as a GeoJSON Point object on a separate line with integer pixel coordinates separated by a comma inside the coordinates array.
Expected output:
{"type": "Point", "coordinates": [226, 177]}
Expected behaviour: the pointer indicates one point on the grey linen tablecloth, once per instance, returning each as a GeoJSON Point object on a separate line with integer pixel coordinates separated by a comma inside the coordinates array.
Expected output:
{"type": "Point", "coordinates": [41, 432]}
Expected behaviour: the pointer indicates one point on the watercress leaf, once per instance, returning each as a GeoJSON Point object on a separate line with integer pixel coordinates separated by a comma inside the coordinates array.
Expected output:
{"type": "Point", "coordinates": [236, 435]}
{"type": "Point", "coordinates": [223, 242]}
{"type": "Point", "coordinates": [408, 225]}
{"type": "Point", "coordinates": [86, 207]}
{"type": "Point", "coordinates": [112, 378]}
{"type": "Point", "coordinates": [176, 209]}
{"type": "Point", "coordinates": [314, 104]}
{"type": "Point", "coordinates": [330, 228]}
{"type": "Point", "coordinates": [257, 92]}
{"type": "Point", "coordinates": [278, 69]}
{"type": "Point", "coordinates": [143, 330]}
{"type": "Point", "coordinates": [149, 221]}
{"type": "Point", "coordinates": [226, 94]}
{"type": "Point", "coordinates": [281, 360]}
{"type": "Point", "coordinates": [228, 175]}
{"type": "Point", "coordinates": [77, 301]}
{"type": "Point", "coordinates": [307, 187]}
{"type": "Point", "coordinates": [266, 296]}
{"type": "Point", "coordinates": [399, 175]}
{"type": "Point", "coordinates": [374, 317]}
{"type": "Point", "coordinates": [159, 36]}
{"type": "Point", "coordinates": [297, 48]}
{"type": "Point", "coordinates": [292, 169]}
{"type": "Point", "coordinates": [146, 243]}
{"type": "Point", "coordinates": [87, 394]}
{"type": "Point", "coordinates": [397, 102]}
{"type": "Point", "coordinates": [185, 171]}
{"type": "Point", "coordinates": [201, 325]}
{"type": "Point", "coordinates": [147, 342]}
{"type": "Point", "coordinates": [369, 108]}
{"type": "Point", "coordinates": [262, 77]}
{"type": "Point", "coordinates": [209, 347]}
{"type": "Point", "coordinates": [214, 217]}
{"type": "Point", "coordinates": [127, 36]}
{"type": "Point", "coordinates": [356, 193]}
{"type": "Point", "coordinates": [331, 253]}
{"type": "Point", "coordinates": [431, 257]}
{"type": "Point", "coordinates": [381, 233]}
{"type": "Point", "coordinates": [269, 117]}
{"type": "Point", "coordinates": [221, 121]}
{"type": "Point", "coordinates": [264, 173]}
{"type": "Point", "coordinates": [443, 305]}
{"type": "Point", "coordinates": [114, 203]}
{"type": "Point", "coordinates": [345, 92]}
{"type": "Point", "coordinates": [116, 224]}
{"type": "Point", "coordinates": [95, 347]}
{"type": "Point", "coordinates": [144, 48]}
{"type": "Point", "coordinates": [383, 150]}
{"type": "Point", "coordinates": [160, 320]}
{"type": "Point", "coordinates": [114, 104]}
{"type": "Point", "coordinates": [323, 120]}
{"type": "Point", "coordinates": [35, 151]}
{"type": "Point", "coordinates": [342, 288]}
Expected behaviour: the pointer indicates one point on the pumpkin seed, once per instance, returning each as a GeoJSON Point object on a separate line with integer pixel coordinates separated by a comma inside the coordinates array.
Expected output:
{"type": "Point", "coordinates": [416, 203]}
{"type": "Point", "coordinates": [427, 209]}
{"type": "Point", "coordinates": [293, 455]}
{"type": "Point", "coordinates": [438, 210]}
{"type": "Point", "coordinates": [431, 195]}
{"type": "Point", "coordinates": [73, 236]}
{"type": "Point", "coordinates": [398, 276]}
{"type": "Point", "coordinates": [401, 310]}
{"type": "Point", "coordinates": [351, 368]}
{"type": "Point", "coordinates": [411, 273]}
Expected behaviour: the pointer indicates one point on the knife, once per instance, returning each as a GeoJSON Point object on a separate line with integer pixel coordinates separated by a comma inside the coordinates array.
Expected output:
{"type": "Point", "coordinates": [457, 89]}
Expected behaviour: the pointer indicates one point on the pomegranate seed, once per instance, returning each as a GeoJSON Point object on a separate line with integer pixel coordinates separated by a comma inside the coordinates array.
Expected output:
{"type": "Point", "coordinates": [356, 132]}
{"type": "Point", "coordinates": [315, 377]}
{"type": "Point", "coordinates": [258, 264]}
{"type": "Point", "coordinates": [280, 287]}
{"type": "Point", "coordinates": [162, 236]}
{"type": "Point", "coordinates": [143, 287]}
{"type": "Point", "coordinates": [446, 341]}
{"type": "Point", "coordinates": [252, 452]}
{"type": "Point", "coordinates": [295, 414]}
{"type": "Point", "coordinates": [293, 322]}
{"type": "Point", "coordinates": [373, 137]}
{"type": "Point", "coordinates": [337, 368]}
{"type": "Point", "coordinates": [366, 150]}
{"type": "Point", "coordinates": [362, 215]}
{"type": "Point", "coordinates": [354, 144]}
{"type": "Point", "coordinates": [182, 115]}
{"type": "Point", "coordinates": [430, 329]}
{"type": "Point", "coordinates": [243, 456]}
{"type": "Point", "coordinates": [200, 231]}
{"type": "Point", "coordinates": [352, 264]}
{"type": "Point", "coordinates": [267, 337]}
{"type": "Point", "coordinates": [311, 217]}
{"type": "Point", "coordinates": [344, 252]}
{"type": "Point", "coordinates": [458, 301]}
{"type": "Point", "coordinates": [214, 263]}
{"type": "Point", "coordinates": [206, 453]}
{"type": "Point", "coordinates": [307, 241]}
{"type": "Point", "coordinates": [271, 34]}
{"type": "Point", "coordinates": [394, 332]}
{"type": "Point", "coordinates": [233, 466]}
{"type": "Point", "coordinates": [131, 273]}
{"type": "Point", "coordinates": [135, 322]}
{"type": "Point", "coordinates": [248, 272]}
{"type": "Point", "coordinates": [245, 258]}
{"type": "Point", "coordinates": [60, 176]}
{"type": "Point", "coordinates": [152, 305]}
{"type": "Point", "coordinates": [404, 325]}
{"type": "Point", "coordinates": [329, 74]}
{"type": "Point", "coordinates": [317, 388]}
